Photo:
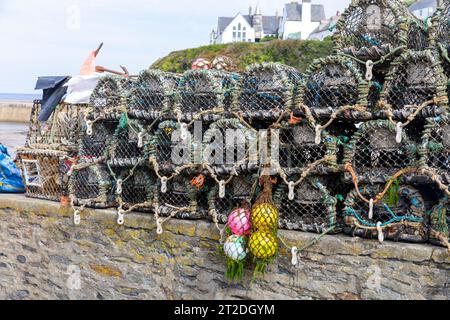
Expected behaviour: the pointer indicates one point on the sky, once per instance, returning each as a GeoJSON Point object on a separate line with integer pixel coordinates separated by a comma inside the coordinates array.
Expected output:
{"type": "Point", "coordinates": [53, 37]}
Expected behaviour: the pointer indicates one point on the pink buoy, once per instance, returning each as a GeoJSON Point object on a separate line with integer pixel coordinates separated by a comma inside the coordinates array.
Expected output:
{"type": "Point", "coordinates": [239, 221]}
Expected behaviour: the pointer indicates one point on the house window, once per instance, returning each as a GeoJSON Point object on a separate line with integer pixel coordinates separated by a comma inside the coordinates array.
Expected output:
{"type": "Point", "coordinates": [239, 26]}
{"type": "Point", "coordinates": [244, 35]}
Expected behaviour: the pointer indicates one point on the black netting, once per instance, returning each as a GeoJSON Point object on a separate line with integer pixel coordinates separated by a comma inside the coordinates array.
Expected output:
{"type": "Point", "coordinates": [333, 82]}
{"type": "Point", "coordinates": [440, 32]}
{"type": "Point", "coordinates": [312, 209]}
{"type": "Point", "coordinates": [205, 90]}
{"type": "Point", "coordinates": [440, 223]}
{"type": "Point", "coordinates": [415, 78]}
{"type": "Point", "coordinates": [138, 187]}
{"type": "Point", "coordinates": [375, 154]}
{"type": "Point", "coordinates": [153, 92]}
{"type": "Point", "coordinates": [127, 146]}
{"type": "Point", "coordinates": [401, 213]}
{"type": "Point", "coordinates": [374, 29]}
{"type": "Point", "coordinates": [268, 89]}
{"type": "Point", "coordinates": [95, 145]}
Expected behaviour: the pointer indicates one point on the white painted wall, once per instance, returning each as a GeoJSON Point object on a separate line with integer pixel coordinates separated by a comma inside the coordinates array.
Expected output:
{"type": "Point", "coordinates": [293, 27]}
{"type": "Point", "coordinates": [233, 29]}
{"type": "Point", "coordinates": [424, 13]}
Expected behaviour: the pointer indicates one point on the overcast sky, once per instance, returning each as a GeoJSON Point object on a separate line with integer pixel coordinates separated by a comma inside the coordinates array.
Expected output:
{"type": "Point", "coordinates": [53, 37]}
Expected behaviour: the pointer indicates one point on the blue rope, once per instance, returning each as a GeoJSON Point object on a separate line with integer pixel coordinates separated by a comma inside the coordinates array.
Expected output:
{"type": "Point", "coordinates": [350, 211]}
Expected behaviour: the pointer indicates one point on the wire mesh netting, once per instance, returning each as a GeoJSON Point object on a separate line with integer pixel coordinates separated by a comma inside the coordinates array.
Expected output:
{"type": "Point", "coordinates": [309, 208]}
{"type": "Point", "coordinates": [415, 78]}
{"type": "Point", "coordinates": [298, 149]}
{"type": "Point", "coordinates": [127, 146]}
{"type": "Point", "coordinates": [440, 222]}
{"type": "Point", "coordinates": [436, 141]}
{"type": "Point", "coordinates": [375, 154]}
{"type": "Point", "coordinates": [331, 83]}
{"type": "Point", "coordinates": [92, 186]}
{"type": "Point", "coordinates": [268, 89]}
{"type": "Point", "coordinates": [376, 29]}
{"type": "Point", "coordinates": [151, 94]}
{"type": "Point", "coordinates": [399, 216]}
{"type": "Point", "coordinates": [229, 146]}
{"type": "Point", "coordinates": [108, 100]}
{"type": "Point", "coordinates": [440, 32]}
{"type": "Point", "coordinates": [60, 132]}
{"type": "Point", "coordinates": [238, 193]}
{"type": "Point", "coordinates": [94, 144]}
{"type": "Point", "coordinates": [43, 173]}
{"type": "Point", "coordinates": [202, 91]}
{"type": "Point", "coordinates": [180, 198]}
{"type": "Point", "coordinates": [137, 188]}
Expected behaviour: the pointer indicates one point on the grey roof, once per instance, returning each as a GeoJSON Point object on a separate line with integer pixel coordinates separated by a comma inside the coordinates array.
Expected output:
{"type": "Point", "coordinates": [270, 23]}
{"type": "Point", "coordinates": [423, 4]}
{"type": "Point", "coordinates": [294, 12]}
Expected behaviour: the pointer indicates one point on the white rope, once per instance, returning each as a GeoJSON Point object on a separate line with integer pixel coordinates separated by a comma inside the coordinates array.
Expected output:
{"type": "Point", "coordinates": [371, 202]}
{"type": "Point", "coordinates": [399, 132]}
{"type": "Point", "coordinates": [294, 252]}
{"type": "Point", "coordinates": [318, 138]}
{"type": "Point", "coordinates": [380, 232]}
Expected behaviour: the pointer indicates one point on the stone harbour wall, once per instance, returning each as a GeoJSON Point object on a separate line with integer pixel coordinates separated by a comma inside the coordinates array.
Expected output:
{"type": "Point", "coordinates": [44, 256]}
{"type": "Point", "coordinates": [15, 111]}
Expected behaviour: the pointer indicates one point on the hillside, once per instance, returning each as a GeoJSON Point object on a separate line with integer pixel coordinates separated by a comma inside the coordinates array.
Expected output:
{"type": "Point", "coordinates": [296, 53]}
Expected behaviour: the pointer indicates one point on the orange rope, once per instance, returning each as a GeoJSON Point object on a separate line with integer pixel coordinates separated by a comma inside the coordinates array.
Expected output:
{"type": "Point", "coordinates": [198, 182]}
{"type": "Point", "coordinates": [294, 120]}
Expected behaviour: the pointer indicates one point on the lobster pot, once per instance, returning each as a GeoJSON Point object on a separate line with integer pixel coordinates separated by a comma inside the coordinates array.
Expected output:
{"type": "Point", "coordinates": [95, 145]}
{"type": "Point", "coordinates": [331, 83]}
{"type": "Point", "coordinates": [436, 141]}
{"type": "Point", "coordinates": [152, 93]}
{"type": "Point", "coordinates": [167, 148]}
{"type": "Point", "coordinates": [229, 146]}
{"type": "Point", "coordinates": [127, 145]}
{"type": "Point", "coordinates": [439, 223]}
{"type": "Point", "coordinates": [268, 89]}
{"type": "Point", "coordinates": [138, 188]}
{"type": "Point", "coordinates": [92, 186]}
{"type": "Point", "coordinates": [60, 132]}
{"type": "Point", "coordinates": [298, 149]}
{"type": "Point", "coordinates": [42, 172]}
{"type": "Point", "coordinates": [238, 194]}
{"type": "Point", "coordinates": [378, 29]}
{"type": "Point", "coordinates": [181, 199]}
{"type": "Point", "coordinates": [440, 33]}
{"type": "Point", "coordinates": [312, 208]}
{"type": "Point", "coordinates": [400, 215]}
{"type": "Point", "coordinates": [375, 154]}
{"type": "Point", "coordinates": [109, 96]}
{"type": "Point", "coordinates": [415, 78]}
{"type": "Point", "coordinates": [206, 90]}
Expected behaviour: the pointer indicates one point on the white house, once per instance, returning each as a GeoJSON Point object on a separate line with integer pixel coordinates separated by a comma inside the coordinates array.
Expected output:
{"type": "Point", "coordinates": [326, 28]}
{"type": "Point", "coordinates": [245, 28]}
{"type": "Point", "coordinates": [300, 19]}
{"type": "Point", "coordinates": [423, 9]}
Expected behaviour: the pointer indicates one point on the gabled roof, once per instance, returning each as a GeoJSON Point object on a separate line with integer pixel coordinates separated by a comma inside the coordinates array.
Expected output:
{"type": "Point", "coordinates": [270, 23]}
{"type": "Point", "coordinates": [423, 4]}
{"type": "Point", "coordinates": [294, 12]}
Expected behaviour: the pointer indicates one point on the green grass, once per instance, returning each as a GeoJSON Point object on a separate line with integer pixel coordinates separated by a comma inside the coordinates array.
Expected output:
{"type": "Point", "coordinates": [295, 53]}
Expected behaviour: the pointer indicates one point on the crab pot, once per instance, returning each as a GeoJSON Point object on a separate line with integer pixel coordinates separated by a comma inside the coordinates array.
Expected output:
{"type": "Point", "coordinates": [440, 33]}
{"type": "Point", "coordinates": [168, 149]}
{"type": "Point", "coordinates": [92, 186]}
{"type": "Point", "coordinates": [138, 188]}
{"type": "Point", "coordinates": [440, 222]}
{"type": "Point", "coordinates": [298, 149]}
{"type": "Point", "coordinates": [42, 172]}
{"type": "Point", "coordinates": [60, 132]}
{"type": "Point", "coordinates": [313, 208]}
{"type": "Point", "coordinates": [109, 96]}
{"type": "Point", "coordinates": [268, 89]}
{"type": "Point", "coordinates": [152, 93]}
{"type": "Point", "coordinates": [436, 141]}
{"type": "Point", "coordinates": [96, 145]}
{"type": "Point", "coordinates": [180, 196]}
{"type": "Point", "coordinates": [401, 213]}
{"type": "Point", "coordinates": [228, 144]}
{"type": "Point", "coordinates": [378, 29]}
{"type": "Point", "coordinates": [331, 83]}
{"type": "Point", "coordinates": [238, 193]}
{"type": "Point", "coordinates": [205, 90]}
{"type": "Point", "coordinates": [415, 78]}
{"type": "Point", "coordinates": [125, 149]}
{"type": "Point", "coordinates": [375, 154]}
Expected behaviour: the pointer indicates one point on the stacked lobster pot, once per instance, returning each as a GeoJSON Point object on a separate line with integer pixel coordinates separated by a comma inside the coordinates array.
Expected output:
{"type": "Point", "coordinates": [49, 150]}
{"type": "Point", "coordinates": [91, 182]}
{"type": "Point", "coordinates": [406, 85]}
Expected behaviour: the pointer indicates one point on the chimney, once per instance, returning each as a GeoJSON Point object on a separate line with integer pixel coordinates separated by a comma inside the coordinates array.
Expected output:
{"type": "Point", "coordinates": [250, 11]}
{"type": "Point", "coordinates": [306, 10]}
